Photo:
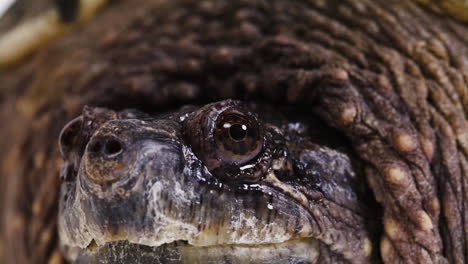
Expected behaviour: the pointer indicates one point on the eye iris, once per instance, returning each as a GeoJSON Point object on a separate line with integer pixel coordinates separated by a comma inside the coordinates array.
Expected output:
{"type": "Point", "coordinates": [237, 132]}
{"type": "Point", "coordinates": [238, 137]}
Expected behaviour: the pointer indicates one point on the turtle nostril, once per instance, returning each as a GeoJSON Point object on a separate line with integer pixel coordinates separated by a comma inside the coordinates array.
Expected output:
{"type": "Point", "coordinates": [109, 147]}
{"type": "Point", "coordinates": [112, 147]}
{"type": "Point", "coordinates": [95, 146]}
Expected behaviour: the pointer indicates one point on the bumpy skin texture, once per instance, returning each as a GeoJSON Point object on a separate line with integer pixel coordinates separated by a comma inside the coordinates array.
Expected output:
{"type": "Point", "coordinates": [391, 76]}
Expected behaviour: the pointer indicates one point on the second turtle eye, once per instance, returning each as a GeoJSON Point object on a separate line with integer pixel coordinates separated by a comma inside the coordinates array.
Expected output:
{"type": "Point", "coordinates": [238, 136]}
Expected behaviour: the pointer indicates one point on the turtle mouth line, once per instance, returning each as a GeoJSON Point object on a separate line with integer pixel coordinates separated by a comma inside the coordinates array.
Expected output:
{"type": "Point", "coordinates": [123, 251]}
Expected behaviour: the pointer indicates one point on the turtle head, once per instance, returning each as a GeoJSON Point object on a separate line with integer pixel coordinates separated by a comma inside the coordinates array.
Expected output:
{"type": "Point", "coordinates": [222, 183]}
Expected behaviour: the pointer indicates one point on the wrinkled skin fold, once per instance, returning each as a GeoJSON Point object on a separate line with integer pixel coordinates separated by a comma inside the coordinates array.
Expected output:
{"type": "Point", "coordinates": [389, 77]}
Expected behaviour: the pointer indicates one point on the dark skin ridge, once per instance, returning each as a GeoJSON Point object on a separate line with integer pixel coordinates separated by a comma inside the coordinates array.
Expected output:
{"type": "Point", "coordinates": [389, 76]}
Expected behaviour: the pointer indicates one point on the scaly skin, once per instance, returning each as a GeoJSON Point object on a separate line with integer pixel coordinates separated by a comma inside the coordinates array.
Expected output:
{"type": "Point", "coordinates": [390, 76]}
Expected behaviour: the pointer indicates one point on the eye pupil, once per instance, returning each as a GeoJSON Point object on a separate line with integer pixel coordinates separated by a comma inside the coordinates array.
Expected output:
{"type": "Point", "coordinates": [238, 136]}
{"type": "Point", "coordinates": [238, 132]}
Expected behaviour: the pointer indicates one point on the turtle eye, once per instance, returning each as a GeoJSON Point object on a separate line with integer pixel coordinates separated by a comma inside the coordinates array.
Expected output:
{"type": "Point", "coordinates": [237, 136]}
{"type": "Point", "coordinates": [224, 134]}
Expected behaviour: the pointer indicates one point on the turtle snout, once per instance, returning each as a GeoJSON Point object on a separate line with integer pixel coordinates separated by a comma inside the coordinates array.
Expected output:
{"type": "Point", "coordinates": [106, 147]}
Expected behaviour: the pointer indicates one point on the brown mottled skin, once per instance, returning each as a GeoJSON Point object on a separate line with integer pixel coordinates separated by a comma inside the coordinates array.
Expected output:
{"type": "Point", "coordinates": [390, 76]}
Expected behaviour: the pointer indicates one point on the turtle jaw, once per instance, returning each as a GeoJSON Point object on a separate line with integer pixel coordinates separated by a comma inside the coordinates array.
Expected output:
{"type": "Point", "coordinates": [180, 252]}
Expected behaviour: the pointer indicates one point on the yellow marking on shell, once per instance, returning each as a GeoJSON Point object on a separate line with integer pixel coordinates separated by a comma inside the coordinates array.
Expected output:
{"type": "Point", "coordinates": [397, 175]}
{"type": "Point", "coordinates": [392, 228]}
{"type": "Point", "coordinates": [425, 222]}
{"type": "Point", "coordinates": [348, 115]}
{"type": "Point", "coordinates": [405, 142]}
{"type": "Point", "coordinates": [367, 246]}
{"type": "Point", "coordinates": [428, 148]}
{"type": "Point", "coordinates": [385, 247]}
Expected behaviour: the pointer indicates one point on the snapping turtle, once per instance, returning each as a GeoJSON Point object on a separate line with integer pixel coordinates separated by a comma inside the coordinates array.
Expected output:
{"type": "Point", "coordinates": [347, 141]}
